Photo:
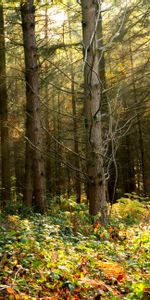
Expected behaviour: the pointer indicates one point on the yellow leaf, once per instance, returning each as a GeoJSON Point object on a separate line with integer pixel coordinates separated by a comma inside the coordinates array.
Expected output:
{"type": "Point", "coordinates": [15, 262]}
{"type": "Point", "coordinates": [95, 230]}
{"type": "Point", "coordinates": [82, 275]}
{"type": "Point", "coordinates": [24, 296]}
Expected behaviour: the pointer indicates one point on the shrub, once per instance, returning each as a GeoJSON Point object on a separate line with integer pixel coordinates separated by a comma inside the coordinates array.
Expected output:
{"type": "Point", "coordinates": [130, 210]}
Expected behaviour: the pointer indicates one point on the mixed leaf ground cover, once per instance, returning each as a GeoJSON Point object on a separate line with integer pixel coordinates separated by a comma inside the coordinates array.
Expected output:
{"type": "Point", "coordinates": [64, 256]}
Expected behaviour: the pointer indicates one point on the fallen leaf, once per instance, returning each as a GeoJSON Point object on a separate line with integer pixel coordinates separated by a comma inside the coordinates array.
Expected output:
{"type": "Point", "coordinates": [98, 284]}
{"type": "Point", "coordinates": [113, 271]}
{"type": "Point", "coordinates": [10, 290]}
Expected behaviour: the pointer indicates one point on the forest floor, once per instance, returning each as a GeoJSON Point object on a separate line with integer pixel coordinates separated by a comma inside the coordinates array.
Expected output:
{"type": "Point", "coordinates": [64, 256]}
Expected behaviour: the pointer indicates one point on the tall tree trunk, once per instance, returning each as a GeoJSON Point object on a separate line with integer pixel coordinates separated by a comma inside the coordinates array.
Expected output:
{"type": "Point", "coordinates": [54, 185]}
{"type": "Point", "coordinates": [34, 167]}
{"type": "Point", "coordinates": [58, 150]}
{"type": "Point", "coordinates": [112, 181]}
{"type": "Point", "coordinates": [77, 184]}
{"type": "Point", "coordinates": [5, 160]}
{"type": "Point", "coordinates": [46, 113]}
{"type": "Point", "coordinates": [76, 144]}
{"type": "Point", "coordinates": [95, 168]}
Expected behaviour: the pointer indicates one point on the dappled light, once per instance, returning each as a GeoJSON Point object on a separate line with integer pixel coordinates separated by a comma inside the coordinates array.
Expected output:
{"type": "Point", "coordinates": [74, 150]}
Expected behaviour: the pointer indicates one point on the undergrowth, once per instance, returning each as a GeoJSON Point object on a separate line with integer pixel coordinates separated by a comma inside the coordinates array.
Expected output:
{"type": "Point", "coordinates": [62, 255]}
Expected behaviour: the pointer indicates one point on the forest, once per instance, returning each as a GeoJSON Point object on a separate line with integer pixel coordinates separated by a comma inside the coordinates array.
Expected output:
{"type": "Point", "coordinates": [74, 149]}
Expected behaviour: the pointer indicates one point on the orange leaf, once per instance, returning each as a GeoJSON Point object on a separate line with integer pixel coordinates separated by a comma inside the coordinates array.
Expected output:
{"type": "Point", "coordinates": [113, 271]}
{"type": "Point", "coordinates": [10, 291]}
{"type": "Point", "coordinates": [98, 284]}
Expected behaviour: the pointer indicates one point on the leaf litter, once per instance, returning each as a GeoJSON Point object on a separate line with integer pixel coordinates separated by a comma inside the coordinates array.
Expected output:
{"type": "Point", "coordinates": [45, 257]}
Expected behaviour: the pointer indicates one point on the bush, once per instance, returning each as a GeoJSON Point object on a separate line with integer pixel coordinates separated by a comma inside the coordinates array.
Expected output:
{"type": "Point", "coordinates": [130, 210]}
{"type": "Point", "coordinates": [16, 208]}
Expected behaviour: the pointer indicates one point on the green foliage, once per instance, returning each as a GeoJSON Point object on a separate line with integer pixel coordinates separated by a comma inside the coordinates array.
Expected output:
{"type": "Point", "coordinates": [63, 256]}
{"type": "Point", "coordinates": [129, 209]}
{"type": "Point", "coordinates": [134, 196]}
{"type": "Point", "coordinates": [17, 208]}
{"type": "Point", "coordinates": [137, 290]}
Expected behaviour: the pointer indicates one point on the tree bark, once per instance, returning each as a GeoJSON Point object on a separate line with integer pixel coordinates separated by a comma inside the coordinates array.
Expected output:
{"type": "Point", "coordinates": [95, 168]}
{"type": "Point", "coordinates": [5, 159]}
{"type": "Point", "coordinates": [34, 191]}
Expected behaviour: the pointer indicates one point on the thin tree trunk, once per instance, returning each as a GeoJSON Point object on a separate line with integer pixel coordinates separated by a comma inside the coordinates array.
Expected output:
{"type": "Point", "coordinates": [68, 183]}
{"type": "Point", "coordinates": [5, 159]}
{"type": "Point", "coordinates": [34, 167]}
{"type": "Point", "coordinates": [77, 183]}
{"type": "Point", "coordinates": [54, 187]}
{"type": "Point", "coordinates": [128, 172]}
{"type": "Point", "coordinates": [76, 144]}
{"type": "Point", "coordinates": [95, 168]}
{"type": "Point", "coordinates": [112, 181]}
{"type": "Point", "coordinates": [19, 164]}
{"type": "Point", "coordinates": [18, 148]}
{"type": "Point", "coordinates": [139, 127]}
{"type": "Point", "coordinates": [46, 97]}
{"type": "Point", "coordinates": [59, 150]}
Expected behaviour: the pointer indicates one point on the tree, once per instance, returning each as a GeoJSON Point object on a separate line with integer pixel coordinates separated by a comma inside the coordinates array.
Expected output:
{"type": "Point", "coordinates": [34, 190]}
{"type": "Point", "coordinates": [5, 161]}
{"type": "Point", "coordinates": [92, 88]}
{"type": "Point", "coordinates": [116, 104]}
{"type": "Point", "coordinates": [77, 184]}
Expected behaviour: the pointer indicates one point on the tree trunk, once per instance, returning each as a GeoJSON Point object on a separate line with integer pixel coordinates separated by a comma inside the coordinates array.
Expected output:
{"type": "Point", "coordinates": [34, 166]}
{"type": "Point", "coordinates": [58, 150]}
{"type": "Point", "coordinates": [95, 168]}
{"type": "Point", "coordinates": [19, 164]}
{"type": "Point", "coordinates": [77, 183]}
{"type": "Point", "coordinates": [46, 114]}
{"type": "Point", "coordinates": [139, 127]}
{"type": "Point", "coordinates": [5, 160]}
{"type": "Point", "coordinates": [76, 144]}
{"type": "Point", "coordinates": [112, 181]}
